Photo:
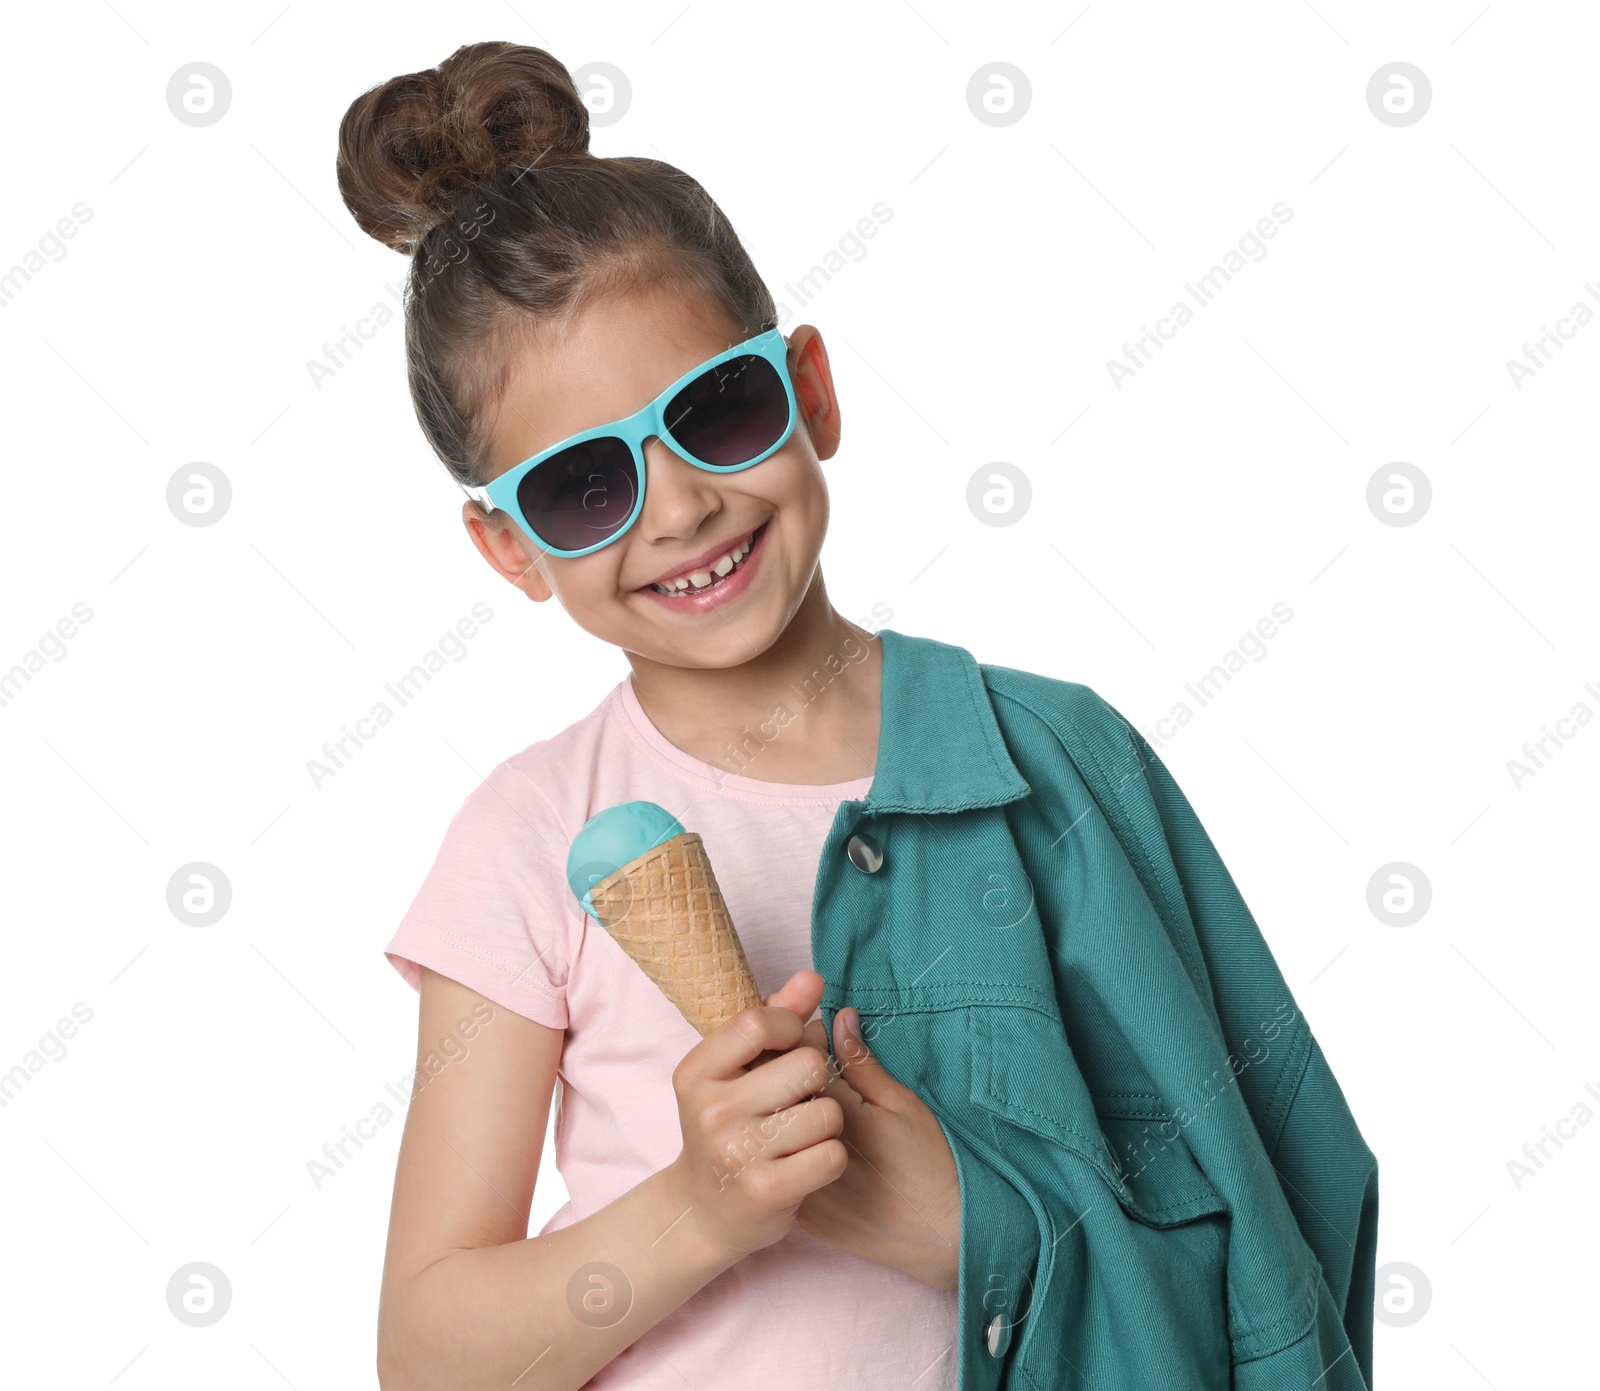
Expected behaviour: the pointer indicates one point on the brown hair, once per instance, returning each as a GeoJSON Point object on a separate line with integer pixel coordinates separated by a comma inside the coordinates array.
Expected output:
{"type": "Point", "coordinates": [480, 171]}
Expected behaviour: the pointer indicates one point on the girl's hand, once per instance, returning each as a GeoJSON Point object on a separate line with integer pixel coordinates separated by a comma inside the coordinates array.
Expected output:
{"type": "Point", "coordinates": [758, 1136]}
{"type": "Point", "coordinates": [898, 1201]}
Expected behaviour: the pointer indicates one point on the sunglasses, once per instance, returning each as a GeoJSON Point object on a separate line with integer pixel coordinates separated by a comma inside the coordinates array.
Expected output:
{"type": "Point", "coordinates": [585, 491]}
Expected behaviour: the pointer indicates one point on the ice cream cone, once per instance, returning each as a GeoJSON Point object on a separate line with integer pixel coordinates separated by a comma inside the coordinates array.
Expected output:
{"type": "Point", "coordinates": [665, 910]}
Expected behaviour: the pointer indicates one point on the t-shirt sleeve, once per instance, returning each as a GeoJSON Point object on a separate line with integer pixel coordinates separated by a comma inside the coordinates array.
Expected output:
{"type": "Point", "coordinates": [495, 912]}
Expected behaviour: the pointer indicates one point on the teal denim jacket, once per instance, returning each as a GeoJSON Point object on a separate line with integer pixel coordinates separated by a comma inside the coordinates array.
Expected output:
{"type": "Point", "coordinates": [1161, 1183]}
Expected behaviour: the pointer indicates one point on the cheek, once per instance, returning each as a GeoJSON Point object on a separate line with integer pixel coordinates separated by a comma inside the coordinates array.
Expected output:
{"type": "Point", "coordinates": [797, 484]}
{"type": "Point", "coordinates": [815, 503]}
{"type": "Point", "coordinates": [585, 581]}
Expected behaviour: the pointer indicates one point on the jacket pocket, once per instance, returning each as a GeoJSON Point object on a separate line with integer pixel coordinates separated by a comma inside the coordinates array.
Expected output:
{"type": "Point", "coordinates": [1023, 1070]}
{"type": "Point", "coordinates": [1134, 1293]}
{"type": "Point", "coordinates": [1162, 1184]}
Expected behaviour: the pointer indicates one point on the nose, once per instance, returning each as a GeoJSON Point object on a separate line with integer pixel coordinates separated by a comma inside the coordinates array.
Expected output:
{"type": "Point", "coordinates": [678, 496]}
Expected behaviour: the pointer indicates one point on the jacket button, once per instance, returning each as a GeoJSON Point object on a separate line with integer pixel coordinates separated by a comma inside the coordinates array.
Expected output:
{"type": "Point", "coordinates": [998, 1336]}
{"type": "Point", "coordinates": [864, 853]}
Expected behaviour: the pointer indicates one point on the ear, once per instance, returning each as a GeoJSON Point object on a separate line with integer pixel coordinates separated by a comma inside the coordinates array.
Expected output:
{"type": "Point", "coordinates": [500, 543]}
{"type": "Point", "coordinates": [813, 389]}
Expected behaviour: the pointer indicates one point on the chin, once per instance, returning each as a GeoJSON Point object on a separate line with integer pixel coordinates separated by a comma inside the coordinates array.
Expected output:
{"type": "Point", "coordinates": [732, 647]}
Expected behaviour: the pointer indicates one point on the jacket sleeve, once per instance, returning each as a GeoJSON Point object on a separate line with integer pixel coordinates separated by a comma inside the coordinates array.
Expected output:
{"type": "Point", "coordinates": [1327, 1173]}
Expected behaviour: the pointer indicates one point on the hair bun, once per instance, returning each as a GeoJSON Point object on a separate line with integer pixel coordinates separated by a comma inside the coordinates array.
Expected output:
{"type": "Point", "coordinates": [411, 146]}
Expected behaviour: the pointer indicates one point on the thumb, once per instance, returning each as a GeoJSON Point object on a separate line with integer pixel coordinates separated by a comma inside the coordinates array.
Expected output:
{"type": "Point", "coordinates": [860, 1068]}
{"type": "Point", "coordinates": [802, 993]}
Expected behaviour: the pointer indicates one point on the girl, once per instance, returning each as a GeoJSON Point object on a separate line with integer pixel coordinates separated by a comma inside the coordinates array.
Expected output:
{"type": "Point", "coordinates": [594, 358]}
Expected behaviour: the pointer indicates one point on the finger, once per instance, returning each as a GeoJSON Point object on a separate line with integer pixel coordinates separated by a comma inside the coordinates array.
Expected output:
{"type": "Point", "coordinates": [725, 1051]}
{"type": "Point", "coordinates": [814, 1167]}
{"type": "Point", "coordinates": [858, 1066]}
{"type": "Point", "coordinates": [792, 1077]}
{"type": "Point", "coordinates": [802, 993]}
{"type": "Point", "coordinates": [816, 1036]}
{"type": "Point", "coordinates": [799, 1127]}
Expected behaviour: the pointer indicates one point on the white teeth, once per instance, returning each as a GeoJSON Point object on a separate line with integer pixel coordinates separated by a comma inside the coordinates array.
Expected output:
{"type": "Point", "coordinates": [700, 579]}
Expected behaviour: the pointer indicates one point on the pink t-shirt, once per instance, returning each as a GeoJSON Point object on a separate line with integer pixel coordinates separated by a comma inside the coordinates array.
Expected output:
{"type": "Point", "coordinates": [495, 913]}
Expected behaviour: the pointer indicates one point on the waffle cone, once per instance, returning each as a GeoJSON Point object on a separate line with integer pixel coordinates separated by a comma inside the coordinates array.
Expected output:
{"type": "Point", "coordinates": [665, 910]}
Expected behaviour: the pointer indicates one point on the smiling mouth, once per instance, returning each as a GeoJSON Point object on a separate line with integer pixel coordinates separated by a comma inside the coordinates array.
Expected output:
{"type": "Point", "coordinates": [704, 580]}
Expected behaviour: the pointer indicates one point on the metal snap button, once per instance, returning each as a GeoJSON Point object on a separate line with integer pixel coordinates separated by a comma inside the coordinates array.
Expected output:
{"type": "Point", "coordinates": [998, 1336]}
{"type": "Point", "coordinates": [864, 853]}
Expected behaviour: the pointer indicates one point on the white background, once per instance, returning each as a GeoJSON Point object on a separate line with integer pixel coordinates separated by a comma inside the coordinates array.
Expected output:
{"type": "Point", "coordinates": [1229, 475]}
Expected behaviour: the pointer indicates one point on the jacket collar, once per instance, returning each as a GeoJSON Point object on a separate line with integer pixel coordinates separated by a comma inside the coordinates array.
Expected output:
{"type": "Point", "coordinates": [939, 747]}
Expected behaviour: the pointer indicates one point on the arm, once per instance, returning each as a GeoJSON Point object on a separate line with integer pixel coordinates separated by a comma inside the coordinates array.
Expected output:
{"type": "Point", "coordinates": [470, 1301]}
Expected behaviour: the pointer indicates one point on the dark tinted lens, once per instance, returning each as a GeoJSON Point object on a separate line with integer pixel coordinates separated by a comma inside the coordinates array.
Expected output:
{"type": "Point", "coordinates": [730, 413]}
{"type": "Point", "coordinates": [582, 495]}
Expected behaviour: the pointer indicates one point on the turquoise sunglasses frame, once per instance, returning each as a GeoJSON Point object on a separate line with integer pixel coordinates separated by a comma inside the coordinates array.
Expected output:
{"type": "Point", "coordinates": [501, 493]}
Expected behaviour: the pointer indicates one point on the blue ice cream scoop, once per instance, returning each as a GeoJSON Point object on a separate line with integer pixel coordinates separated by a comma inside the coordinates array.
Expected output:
{"type": "Point", "coordinates": [611, 838]}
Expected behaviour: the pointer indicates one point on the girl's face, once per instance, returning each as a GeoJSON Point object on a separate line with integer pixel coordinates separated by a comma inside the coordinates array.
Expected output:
{"type": "Point", "coordinates": [617, 354]}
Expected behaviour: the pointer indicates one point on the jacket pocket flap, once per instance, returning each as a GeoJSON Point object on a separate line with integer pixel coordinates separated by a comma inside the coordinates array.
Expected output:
{"type": "Point", "coordinates": [1162, 1184]}
{"type": "Point", "coordinates": [1023, 1069]}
